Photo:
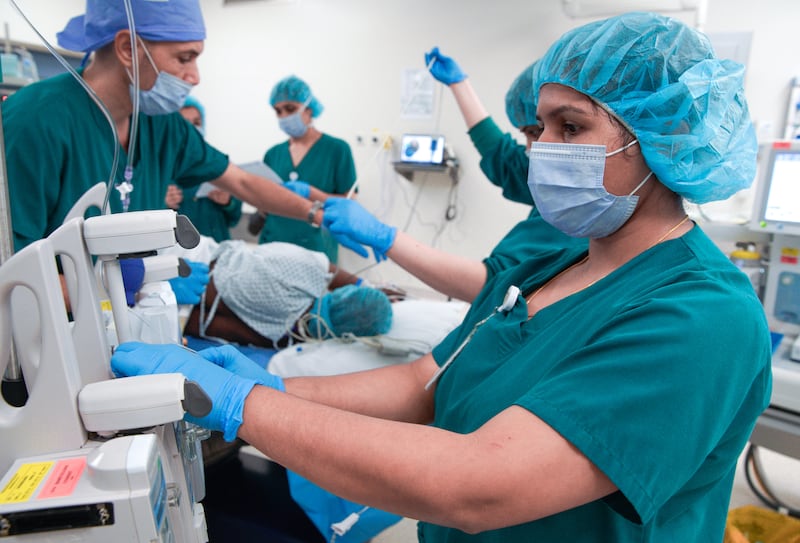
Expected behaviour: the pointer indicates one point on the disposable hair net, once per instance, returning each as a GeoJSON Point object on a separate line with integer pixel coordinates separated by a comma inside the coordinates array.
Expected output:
{"type": "Point", "coordinates": [269, 286]}
{"type": "Point", "coordinates": [294, 89]}
{"type": "Point", "coordinates": [191, 101]}
{"type": "Point", "coordinates": [662, 80]}
{"type": "Point", "coordinates": [361, 311]}
{"type": "Point", "coordinates": [520, 107]}
{"type": "Point", "coordinates": [165, 20]}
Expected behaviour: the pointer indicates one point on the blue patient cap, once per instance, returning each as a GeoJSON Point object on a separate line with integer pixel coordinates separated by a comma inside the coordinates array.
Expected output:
{"type": "Point", "coordinates": [662, 79]}
{"type": "Point", "coordinates": [294, 89]}
{"type": "Point", "coordinates": [155, 20]}
{"type": "Point", "coordinates": [361, 311]}
{"type": "Point", "coordinates": [520, 107]}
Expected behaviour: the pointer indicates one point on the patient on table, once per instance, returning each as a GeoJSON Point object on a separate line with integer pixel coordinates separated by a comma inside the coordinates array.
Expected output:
{"type": "Point", "coordinates": [265, 295]}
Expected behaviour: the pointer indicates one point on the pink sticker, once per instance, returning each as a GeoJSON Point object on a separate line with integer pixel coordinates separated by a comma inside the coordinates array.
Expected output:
{"type": "Point", "coordinates": [63, 478]}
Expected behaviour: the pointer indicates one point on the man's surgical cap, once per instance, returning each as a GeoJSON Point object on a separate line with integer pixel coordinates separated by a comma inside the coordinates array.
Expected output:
{"type": "Point", "coordinates": [520, 107]}
{"type": "Point", "coordinates": [361, 311]}
{"type": "Point", "coordinates": [662, 80]}
{"type": "Point", "coordinates": [294, 89]}
{"type": "Point", "coordinates": [154, 20]}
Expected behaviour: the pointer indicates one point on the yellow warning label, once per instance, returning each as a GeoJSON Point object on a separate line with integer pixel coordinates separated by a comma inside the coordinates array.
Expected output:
{"type": "Point", "coordinates": [25, 482]}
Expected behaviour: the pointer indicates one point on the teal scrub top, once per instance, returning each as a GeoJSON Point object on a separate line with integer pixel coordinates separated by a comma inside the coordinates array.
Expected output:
{"type": "Point", "coordinates": [59, 145]}
{"type": "Point", "coordinates": [657, 373]}
{"type": "Point", "coordinates": [328, 166]}
{"type": "Point", "coordinates": [505, 163]}
{"type": "Point", "coordinates": [503, 160]}
{"type": "Point", "coordinates": [210, 218]}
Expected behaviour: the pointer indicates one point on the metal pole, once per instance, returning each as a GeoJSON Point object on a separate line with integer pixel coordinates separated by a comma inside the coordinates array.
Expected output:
{"type": "Point", "coordinates": [13, 386]}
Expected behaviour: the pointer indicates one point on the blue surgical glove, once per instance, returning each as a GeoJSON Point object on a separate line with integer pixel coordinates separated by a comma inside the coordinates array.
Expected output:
{"type": "Point", "coordinates": [354, 226]}
{"type": "Point", "coordinates": [301, 188]}
{"type": "Point", "coordinates": [189, 289]}
{"type": "Point", "coordinates": [226, 390]}
{"type": "Point", "coordinates": [132, 277]}
{"type": "Point", "coordinates": [230, 358]}
{"type": "Point", "coordinates": [444, 69]}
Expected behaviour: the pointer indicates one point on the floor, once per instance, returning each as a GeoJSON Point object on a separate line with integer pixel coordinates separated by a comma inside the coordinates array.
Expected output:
{"type": "Point", "coordinates": [781, 472]}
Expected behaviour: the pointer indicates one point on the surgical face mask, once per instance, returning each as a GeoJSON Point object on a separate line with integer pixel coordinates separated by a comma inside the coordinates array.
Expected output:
{"type": "Point", "coordinates": [566, 182]}
{"type": "Point", "coordinates": [293, 124]}
{"type": "Point", "coordinates": [167, 95]}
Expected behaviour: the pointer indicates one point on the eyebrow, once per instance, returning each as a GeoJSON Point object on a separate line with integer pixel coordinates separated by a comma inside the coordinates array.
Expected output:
{"type": "Point", "coordinates": [566, 108]}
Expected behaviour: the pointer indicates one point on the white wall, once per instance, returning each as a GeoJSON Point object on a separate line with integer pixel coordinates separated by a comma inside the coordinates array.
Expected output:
{"type": "Point", "coordinates": [352, 53]}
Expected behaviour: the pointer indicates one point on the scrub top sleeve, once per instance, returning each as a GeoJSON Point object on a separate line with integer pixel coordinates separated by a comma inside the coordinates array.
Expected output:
{"type": "Point", "coordinates": [504, 161]}
{"type": "Point", "coordinates": [655, 373]}
{"type": "Point", "coordinates": [198, 161]}
{"type": "Point", "coordinates": [233, 211]}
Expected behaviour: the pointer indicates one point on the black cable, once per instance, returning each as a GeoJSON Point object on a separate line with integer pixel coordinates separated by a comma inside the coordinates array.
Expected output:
{"type": "Point", "coordinates": [765, 496]}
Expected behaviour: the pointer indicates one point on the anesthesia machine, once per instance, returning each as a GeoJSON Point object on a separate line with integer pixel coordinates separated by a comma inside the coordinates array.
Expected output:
{"type": "Point", "coordinates": [88, 457]}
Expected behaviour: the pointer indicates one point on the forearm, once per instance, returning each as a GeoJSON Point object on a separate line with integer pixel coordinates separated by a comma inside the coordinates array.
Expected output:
{"type": "Point", "coordinates": [453, 275]}
{"type": "Point", "coordinates": [468, 102]}
{"type": "Point", "coordinates": [341, 277]}
{"type": "Point", "coordinates": [392, 466]}
{"type": "Point", "coordinates": [265, 195]}
{"type": "Point", "coordinates": [394, 392]}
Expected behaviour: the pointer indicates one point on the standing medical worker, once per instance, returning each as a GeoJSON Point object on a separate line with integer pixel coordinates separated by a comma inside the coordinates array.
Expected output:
{"type": "Point", "coordinates": [214, 213]}
{"type": "Point", "coordinates": [313, 164]}
{"type": "Point", "coordinates": [609, 401]}
{"type": "Point", "coordinates": [505, 163]}
{"type": "Point", "coordinates": [58, 143]}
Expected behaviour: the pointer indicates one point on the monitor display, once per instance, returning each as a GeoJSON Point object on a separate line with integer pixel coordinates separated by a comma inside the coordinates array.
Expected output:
{"type": "Point", "coordinates": [422, 149]}
{"type": "Point", "coordinates": [777, 199]}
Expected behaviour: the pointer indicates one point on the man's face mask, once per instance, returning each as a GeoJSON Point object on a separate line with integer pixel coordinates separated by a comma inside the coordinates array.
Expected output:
{"type": "Point", "coordinates": [167, 95]}
{"type": "Point", "coordinates": [566, 182]}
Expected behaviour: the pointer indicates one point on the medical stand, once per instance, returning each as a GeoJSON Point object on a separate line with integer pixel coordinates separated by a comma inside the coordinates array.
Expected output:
{"type": "Point", "coordinates": [13, 385]}
{"type": "Point", "coordinates": [88, 457]}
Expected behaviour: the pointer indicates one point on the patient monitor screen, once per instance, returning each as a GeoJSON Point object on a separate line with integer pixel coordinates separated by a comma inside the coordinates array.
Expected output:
{"type": "Point", "coordinates": [422, 149]}
{"type": "Point", "coordinates": [783, 196]}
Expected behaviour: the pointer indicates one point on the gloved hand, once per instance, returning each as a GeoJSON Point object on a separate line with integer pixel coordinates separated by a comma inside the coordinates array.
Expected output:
{"type": "Point", "coordinates": [353, 226]}
{"type": "Point", "coordinates": [189, 289]}
{"type": "Point", "coordinates": [231, 359]}
{"type": "Point", "coordinates": [132, 276]}
{"type": "Point", "coordinates": [301, 188]}
{"type": "Point", "coordinates": [444, 69]}
{"type": "Point", "coordinates": [226, 390]}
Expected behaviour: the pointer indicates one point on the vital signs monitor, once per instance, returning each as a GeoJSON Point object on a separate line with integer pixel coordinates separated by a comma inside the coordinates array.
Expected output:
{"type": "Point", "coordinates": [777, 199]}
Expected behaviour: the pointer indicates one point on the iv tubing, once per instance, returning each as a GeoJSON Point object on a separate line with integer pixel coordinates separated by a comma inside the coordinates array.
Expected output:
{"type": "Point", "coordinates": [128, 173]}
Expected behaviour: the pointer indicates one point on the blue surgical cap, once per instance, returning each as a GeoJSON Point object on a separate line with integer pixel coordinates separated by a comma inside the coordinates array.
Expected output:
{"type": "Point", "coordinates": [191, 101]}
{"type": "Point", "coordinates": [520, 107]}
{"type": "Point", "coordinates": [361, 311]}
{"type": "Point", "coordinates": [154, 20]}
{"type": "Point", "coordinates": [294, 89]}
{"type": "Point", "coordinates": [662, 80]}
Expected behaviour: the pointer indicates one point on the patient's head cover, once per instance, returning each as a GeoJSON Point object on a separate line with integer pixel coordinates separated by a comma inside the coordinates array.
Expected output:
{"type": "Point", "coordinates": [360, 311]}
{"type": "Point", "coordinates": [269, 286]}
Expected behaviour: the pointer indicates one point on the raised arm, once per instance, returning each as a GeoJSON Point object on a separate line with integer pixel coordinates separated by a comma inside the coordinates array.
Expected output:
{"type": "Point", "coordinates": [354, 226]}
{"type": "Point", "coordinates": [445, 70]}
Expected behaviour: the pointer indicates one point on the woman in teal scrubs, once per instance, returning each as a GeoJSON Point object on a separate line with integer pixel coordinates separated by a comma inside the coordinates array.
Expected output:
{"type": "Point", "coordinates": [314, 164]}
{"type": "Point", "coordinates": [609, 398]}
